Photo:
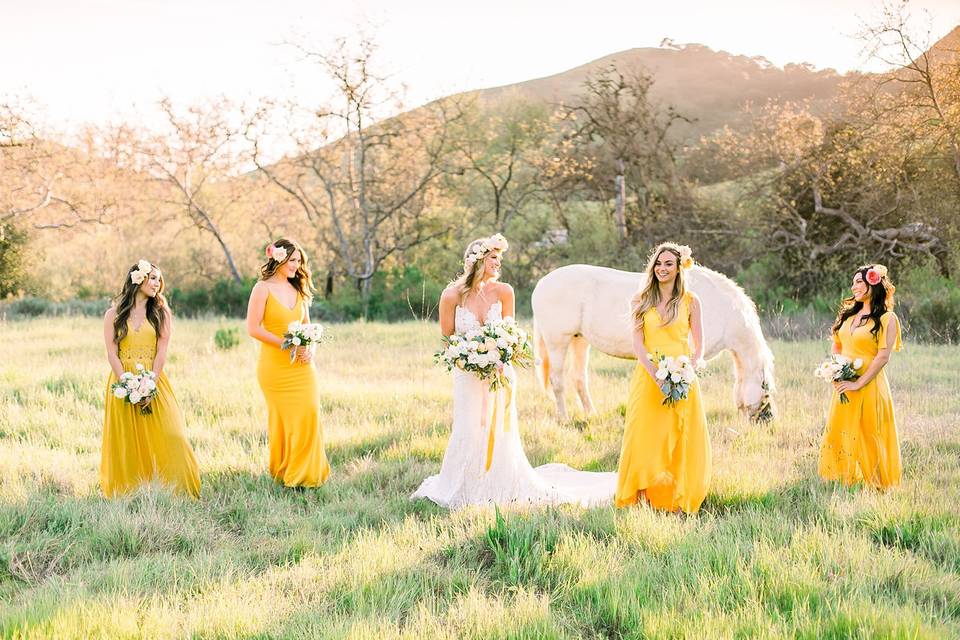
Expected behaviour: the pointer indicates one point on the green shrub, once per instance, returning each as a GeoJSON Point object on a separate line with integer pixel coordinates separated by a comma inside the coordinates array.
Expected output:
{"type": "Point", "coordinates": [226, 338]}
{"type": "Point", "coordinates": [30, 307]}
{"type": "Point", "coordinates": [395, 294]}
{"type": "Point", "coordinates": [225, 298]}
{"type": "Point", "coordinates": [929, 304]}
{"type": "Point", "coordinates": [13, 257]}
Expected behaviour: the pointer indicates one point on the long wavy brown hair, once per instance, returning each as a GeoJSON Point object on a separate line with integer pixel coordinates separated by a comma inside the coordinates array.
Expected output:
{"type": "Point", "coordinates": [648, 296]}
{"type": "Point", "coordinates": [158, 309]}
{"type": "Point", "coordinates": [302, 280]}
{"type": "Point", "coordinates": [881, 301]}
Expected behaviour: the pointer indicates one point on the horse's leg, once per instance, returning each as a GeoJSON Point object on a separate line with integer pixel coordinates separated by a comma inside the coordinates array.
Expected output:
{"type": "Point", "coordinates": [557, 352]}
{"type": "Point", "coordinates": [581, 358]}
{"type": "Point", "coordinates": [738, 386]}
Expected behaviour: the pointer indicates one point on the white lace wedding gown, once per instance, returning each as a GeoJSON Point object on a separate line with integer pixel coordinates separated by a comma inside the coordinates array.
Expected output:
{"type": "Point", "coordinates": [463, 478]}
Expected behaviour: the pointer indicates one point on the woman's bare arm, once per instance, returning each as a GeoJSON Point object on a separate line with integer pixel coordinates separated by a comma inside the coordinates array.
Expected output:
{"type": "Point", "coordinates": [163, 342]}
{"type": "Point", "coordinates": [255, 310]}
{"type": "Point", "coordinates": [113, 352]}
{"type": "Point", "coordinates": [449, 300]}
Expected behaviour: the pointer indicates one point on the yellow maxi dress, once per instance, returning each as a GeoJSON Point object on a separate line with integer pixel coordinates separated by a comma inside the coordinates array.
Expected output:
{"type": "Point", "coordinates": [138, 448]}
{"type": "Point", "coordinates": [665, 458]}
{"type": "Point", "coordinates": [861, 443]}
{"type": "Point", "coordinates": [297, 457]}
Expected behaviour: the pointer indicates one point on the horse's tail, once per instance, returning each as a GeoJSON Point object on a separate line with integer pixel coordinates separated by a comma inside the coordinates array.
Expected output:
{"type": "Point", "coordinates": [541, 358]}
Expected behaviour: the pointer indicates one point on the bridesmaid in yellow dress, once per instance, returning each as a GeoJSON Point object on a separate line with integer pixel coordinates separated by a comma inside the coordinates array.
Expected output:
{"type": "Point", "coordinates": [139, 448]}
{"type": "Point", "coordinates": [282, 295]}
{"type": "Point", "coordinates": [665, 458]}
{"type": "Point", "coordinates": [861, 444]}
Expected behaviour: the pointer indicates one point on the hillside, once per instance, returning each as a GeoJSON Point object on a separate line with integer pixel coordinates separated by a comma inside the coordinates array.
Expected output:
{"type": "Point", "coordinates": [706, 85]}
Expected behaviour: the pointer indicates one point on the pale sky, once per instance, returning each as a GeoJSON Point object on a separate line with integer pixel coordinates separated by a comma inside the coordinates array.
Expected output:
{"type": "Point", "coordinates": [93, 60]}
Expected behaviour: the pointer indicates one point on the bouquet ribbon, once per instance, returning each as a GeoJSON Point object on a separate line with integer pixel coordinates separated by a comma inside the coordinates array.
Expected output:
{"type": "Point", "coordinates": [493, 417]}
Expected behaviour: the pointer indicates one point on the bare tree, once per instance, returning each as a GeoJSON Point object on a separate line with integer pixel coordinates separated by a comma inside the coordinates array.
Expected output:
{"type": "Point", "coordinates": [363, 184]}
{"type": "Point", "coordinates": [919, 98]}
{"type": "Point", "coordinates": [833, 193]}
{"type": "Point", "coordinates": [44, 183]}
{"type": "Point", "coordinates": [626, 134]}
{"type": "Point", "coordinates": [512, 157]}
{"type": "Point", "coordinates": [193, 164]}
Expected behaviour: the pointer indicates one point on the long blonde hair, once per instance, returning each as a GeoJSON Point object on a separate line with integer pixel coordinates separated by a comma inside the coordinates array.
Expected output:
{"type": "Point", "coordinates": [648, 297]}
{"type": "Point", "coordinates": [473, 270]}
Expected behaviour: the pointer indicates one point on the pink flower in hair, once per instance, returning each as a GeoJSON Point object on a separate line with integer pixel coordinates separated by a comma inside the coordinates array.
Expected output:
{"type": "Point", "coordinates": [873, 276]}
{"type": "Point", "coordinates": [277, 253]}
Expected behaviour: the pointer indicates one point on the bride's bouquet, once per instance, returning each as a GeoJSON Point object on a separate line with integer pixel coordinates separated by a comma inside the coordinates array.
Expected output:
{"type": "Point", "coordinates": [301, 334]}
{"type": "Point", "coordinates": [136, 387]}
{"type": "Point", "coordinates": [486, 351]}
{"type": "Point", "coordinates": [674, 375]}
{"type": "Point", "coordinates": [839, 368]}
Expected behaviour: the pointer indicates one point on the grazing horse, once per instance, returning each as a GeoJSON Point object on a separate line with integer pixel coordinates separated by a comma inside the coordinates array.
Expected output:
{"type": "Point", "coordinates": [582, 305]}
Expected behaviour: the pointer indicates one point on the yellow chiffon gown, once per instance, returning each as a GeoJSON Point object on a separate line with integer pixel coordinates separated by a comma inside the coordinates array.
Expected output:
{"type": "Point", "coordinates": [138, 448]}
{"type": "Point", "coordinates": [297, 457]}
{"type": "Point", "coordinates": [861, 443]}
{"type": "Point", "coordinates": [665, 458]}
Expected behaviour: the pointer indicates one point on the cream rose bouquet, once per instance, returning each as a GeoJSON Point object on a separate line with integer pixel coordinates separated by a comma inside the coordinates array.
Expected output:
{"type": "Point", "coordinates": [839, 368]}
{"type": "Point", "coordinates": [487, 351]}
{"type": "Point", "coordinates": [136, 387]}
{"type": "Point", "coordinates": [301, 334]}
{"type": "Point", "coordinates": [674, 376]}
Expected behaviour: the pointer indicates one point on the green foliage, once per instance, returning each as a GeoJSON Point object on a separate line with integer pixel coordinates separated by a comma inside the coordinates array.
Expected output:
{"type": "Point", "coordinates": [33, 306]}
{"type": "Point", "coordinates": [399, 293]}
{"type": "Point", "coordinates": [13, 245]}
{"type": "Point", "coordinates": [226, 297]}
{"type": "Point", "coordinates": [226, 338]}
{"type": "Point", "coordinates": [766, 283]}
{"type": "Point", "coordinates": [929, 303]}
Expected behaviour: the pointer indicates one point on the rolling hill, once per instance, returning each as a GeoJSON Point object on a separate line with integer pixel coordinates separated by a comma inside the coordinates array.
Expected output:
{"type": "Point", "coordinates": [708, 86]}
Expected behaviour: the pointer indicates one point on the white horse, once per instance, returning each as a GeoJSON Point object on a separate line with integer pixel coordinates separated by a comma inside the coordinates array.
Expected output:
{"type": "Point", "coordinates": [583, 306]}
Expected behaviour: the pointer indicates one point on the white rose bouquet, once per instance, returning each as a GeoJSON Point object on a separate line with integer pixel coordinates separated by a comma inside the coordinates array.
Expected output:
{"type": "Point", "coordinates": [486, 351]}
{"type": "Point", "coordinates": [136, 387]}
{"type": "Point", "coordinates": [301, 334]}
{"type": "Point", "coordinates": [839, 368]}
{"type": "Point", "coordinates": [674, 375]}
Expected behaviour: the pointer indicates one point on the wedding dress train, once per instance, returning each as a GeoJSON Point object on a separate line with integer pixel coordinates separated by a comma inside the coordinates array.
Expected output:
{"type": "Point", "coordinates": [486, 464]}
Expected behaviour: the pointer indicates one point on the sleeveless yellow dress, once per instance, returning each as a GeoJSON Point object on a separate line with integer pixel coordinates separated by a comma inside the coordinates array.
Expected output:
{"type": "Point", "coordinates": [860, 443]}
{"type": "Point", "coordinates": [138, 448]}
{"type": "Point", "coordinates": [665, 458]}
{"type": "Point", "coordinates": [297, 457]}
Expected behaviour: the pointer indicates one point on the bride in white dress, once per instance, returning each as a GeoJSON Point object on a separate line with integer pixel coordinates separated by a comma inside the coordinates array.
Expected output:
{"type": "Point", "coordinates": [484, 463]}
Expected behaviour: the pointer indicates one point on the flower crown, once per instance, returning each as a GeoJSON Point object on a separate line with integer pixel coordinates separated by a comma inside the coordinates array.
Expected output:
{"type": "Point", "coordinates": [496, 242]}
{"type": "Point", "coordinates": [875, 274]}
{"type": "Point", "coordinates": [142, 272]}
{"type": "Point", "coordinates": [277, 253]}
{"type": "Point", "coordinates": [686, 256]}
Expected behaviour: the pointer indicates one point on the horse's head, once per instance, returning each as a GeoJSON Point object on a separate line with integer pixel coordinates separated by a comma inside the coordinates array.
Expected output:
{"type": "Point", "coordinates": [754, 388]}
{"type": "Point", "coordinates": [763, 409]}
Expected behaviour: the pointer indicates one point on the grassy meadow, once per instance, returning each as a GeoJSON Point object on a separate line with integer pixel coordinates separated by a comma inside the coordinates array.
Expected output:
{"type": "Point", "coordinates": [774, 553]}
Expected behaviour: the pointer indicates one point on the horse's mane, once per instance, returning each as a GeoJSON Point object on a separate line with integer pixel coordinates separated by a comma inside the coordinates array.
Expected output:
{"type": "Point", "coordinates": [748, 309]}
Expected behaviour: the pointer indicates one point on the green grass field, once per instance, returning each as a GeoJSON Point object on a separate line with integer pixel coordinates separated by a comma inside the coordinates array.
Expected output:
{"type": "Point", "coordinates": [774, 552]}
